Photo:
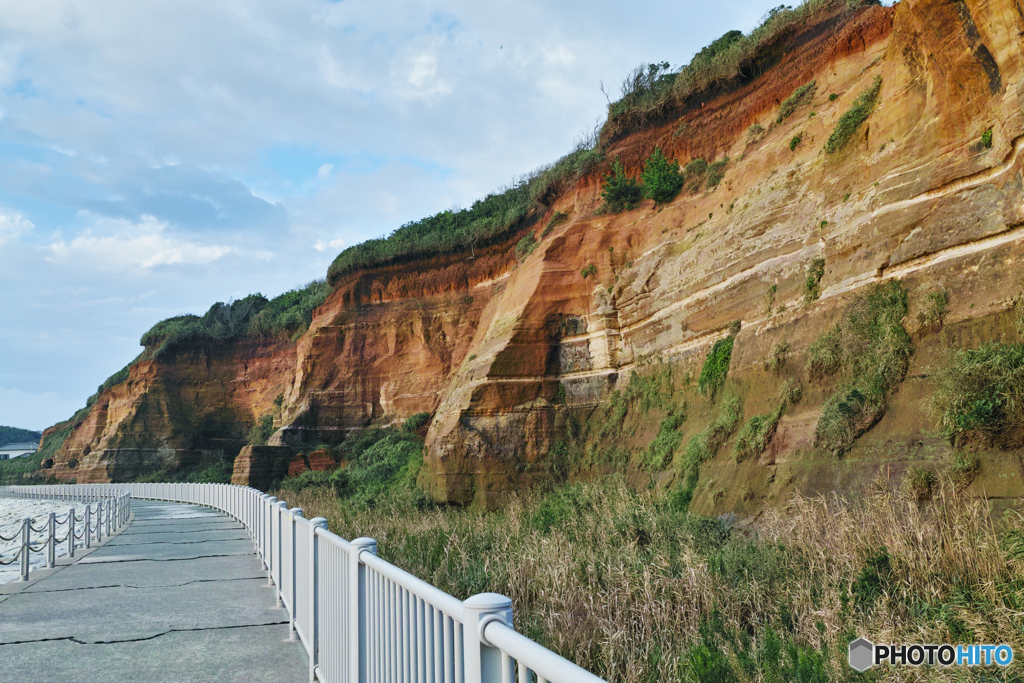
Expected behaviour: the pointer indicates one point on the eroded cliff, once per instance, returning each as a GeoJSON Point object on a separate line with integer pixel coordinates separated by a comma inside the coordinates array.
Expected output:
{"type": "Point", "coordinates": [511, 355]}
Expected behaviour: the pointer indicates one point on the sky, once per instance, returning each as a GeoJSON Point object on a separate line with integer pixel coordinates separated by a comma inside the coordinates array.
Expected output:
{"type": "Point", "coordinates": [159, 156]}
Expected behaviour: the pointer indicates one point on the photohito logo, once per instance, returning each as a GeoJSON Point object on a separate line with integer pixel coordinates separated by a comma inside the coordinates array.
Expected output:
{"type": "Point", "coordinates": [864, 654]}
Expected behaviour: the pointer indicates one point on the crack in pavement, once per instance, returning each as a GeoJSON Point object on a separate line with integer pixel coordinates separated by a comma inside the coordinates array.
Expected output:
{"type": "Point", "coordinates": [166, 559]}
{"type": "Point", "coordinates": [237, 527]}
{"type": "Point", "coordinates": [207, 540]}
{"type": "Point", "coordinates": [144, 638]}
{"type": "Point", "coordinates": [128, 585]}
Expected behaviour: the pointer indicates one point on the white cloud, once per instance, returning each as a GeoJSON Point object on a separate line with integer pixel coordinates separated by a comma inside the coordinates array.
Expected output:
{"type": "Point", "coordinates": [13, 225]}
{"type": "Point", "coordinates": [418, 79]}
{"type": "Point", "coordinates": [324, 170]}
{"type": "Point", "coordinates": [133, 246]}
{"type": "Point", "coordinates": [321, 245]}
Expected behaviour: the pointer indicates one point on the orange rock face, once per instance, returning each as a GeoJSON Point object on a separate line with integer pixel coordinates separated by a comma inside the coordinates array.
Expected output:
{"type": "Point", "coordinates": [501, 353]}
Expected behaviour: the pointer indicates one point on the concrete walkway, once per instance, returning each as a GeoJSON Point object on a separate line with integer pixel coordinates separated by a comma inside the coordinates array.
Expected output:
{"type": "Point", "coordinates": [179, 595]}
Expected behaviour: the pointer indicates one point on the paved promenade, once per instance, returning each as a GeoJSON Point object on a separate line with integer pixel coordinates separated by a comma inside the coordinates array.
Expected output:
{"type": "Point", "coordinates": [179, 595]}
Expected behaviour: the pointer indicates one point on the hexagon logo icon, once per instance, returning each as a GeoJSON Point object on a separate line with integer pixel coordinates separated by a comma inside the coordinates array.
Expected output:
{"type": "Point", "coordinates": [861, 654]}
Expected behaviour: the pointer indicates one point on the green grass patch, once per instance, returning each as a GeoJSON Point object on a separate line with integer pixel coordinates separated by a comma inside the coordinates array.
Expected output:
{"type": "Point", "coordinates": [981, 390]}
{"type": "Point", "coordinates": [716, 367]}
{"type": "Point", "coordinates": [964, 469]}
{"type": "Point", "coordinates": [754, 437]}
{"type": "Point", "coordinates": [918, 483]}
{"type": "Point", "coordinates": [703, 446]}
{"type": "Point", "coordinates": [557, 218]}
{"type": "Point", "coordinates": [794, 141]}
{"type": "Point", "coordinates": [715, 172]}
{"type": "Point", "coordinates": [986, 139]}
{"type": "Point", "coordinates": [588, 270]}
{"type": "Point", "coordinates": [933, 314]}
{"type": "Point", "coordinates": [801, 96]}
{"type": "Point", "coordinates": [854, 117]}
{"type": "Point", "coordinates": [662, 450]}
{"type": "Point", "coordinates": [777, 359]}
{"type": "Point", "coordinates": [875, 350]}
{"type": "Point", "coordinates": [825, 355]}
{"type": "Point", "coordinates": [382, 463]}
{"type": "Point", "coordinates": [525, 247]}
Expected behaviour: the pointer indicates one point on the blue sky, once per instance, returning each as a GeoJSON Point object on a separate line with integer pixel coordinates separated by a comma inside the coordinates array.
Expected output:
{"type": "Point", "coordinates": [158, 156]}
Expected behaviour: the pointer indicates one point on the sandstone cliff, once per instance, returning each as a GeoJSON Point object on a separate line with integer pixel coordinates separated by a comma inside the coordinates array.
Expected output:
{"type": "Point", "coordinates": [505, 354]}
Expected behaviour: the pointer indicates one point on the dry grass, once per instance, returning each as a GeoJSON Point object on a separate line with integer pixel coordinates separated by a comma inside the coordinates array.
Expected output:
{"type": "Point", "coordinates": [636, 591]}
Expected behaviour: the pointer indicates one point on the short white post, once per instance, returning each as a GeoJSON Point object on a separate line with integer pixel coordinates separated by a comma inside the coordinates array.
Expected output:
{"type": "Point", "coordinates": [71, 533]}
{"type": "Point", "coordinates": [51, 542]}
{"type": "Point", "coordinates": [88, 531]}
{"type": "Point", "coordinates": [26, 539]}
{"type": "Point", "coordinates": [293, 633]}
{"type": "Point", "coordinates": [357, 656]}
{"type": "Point", "coordinates": [314, 597]}
{"type": "Point", "coordinates": [483, 660]}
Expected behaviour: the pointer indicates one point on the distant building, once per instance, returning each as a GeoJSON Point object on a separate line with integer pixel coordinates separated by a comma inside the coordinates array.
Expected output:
{"type": "Point", "coordinates": [17, 450]}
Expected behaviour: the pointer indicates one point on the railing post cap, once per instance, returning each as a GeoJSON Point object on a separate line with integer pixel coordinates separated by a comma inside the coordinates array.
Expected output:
{"type": "Point", "coordinates": [272, 499]}
{"type": "Point", "coordinates": [296, 512]}
{"type": "Point", "coordinates": [364, 543]}
{"type": "Point", "coordinates": [281, 504]}
{"type": "Point", "coordinates": [319, 522]}
{"type": "Point", "coordinates": [488, 602]}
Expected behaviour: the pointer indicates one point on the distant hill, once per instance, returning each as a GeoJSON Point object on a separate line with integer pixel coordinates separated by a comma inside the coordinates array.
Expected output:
{"type": "Point", "coordinates": [15, 435]}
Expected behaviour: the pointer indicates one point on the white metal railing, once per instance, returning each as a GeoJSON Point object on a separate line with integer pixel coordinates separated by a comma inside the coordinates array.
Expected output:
{"type": "Point", "coordinates": [360, 618]}
{"type": "Point", "coordinates": [112, 511]}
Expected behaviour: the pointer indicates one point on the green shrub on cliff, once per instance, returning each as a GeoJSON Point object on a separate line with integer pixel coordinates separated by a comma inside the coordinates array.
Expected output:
{"type": "Point", "coordinates": [290, 313]}
{"type": "Point", "coordinates": [488, 220]}
{"type": "Point", "coordinates": [661, 177]}
{"type": "Point", "coordinates": [876, 353]}
{"type": "Point", "coordinates": [262, 430]}
{"type": "Point", "coordinates": [854, 117]}
{"type": "Point", "coordinates": [287, 315]}
{"type": "Point", "coordinates": [381, 463]}
{"type": "Point", "coordinates": [652, 93]}
{"type": "Point", "coordinates": [812, 284]}
{"type": "Point", "coordinates": [620, 192]}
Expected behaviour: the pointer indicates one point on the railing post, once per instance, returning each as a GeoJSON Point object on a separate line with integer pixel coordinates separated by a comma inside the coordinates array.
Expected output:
{"type": "Point", "coordinates": [293, 633]}
{"type": "Point", "coordinates": [51, 542]}
{"type": "Point", "coordinates": [483, 660]}
{"type": "Point", "coordinates": [314, 594]}
{"type": "Point", "coordinates": [268, 536]}
{"type": "Point", "coordinates": [71, 533]}
{"type": "Point", "coordinates": [88, 532]}
{"type": "Point", "coordinates": [357, 655]}
{"type": "Point", "coordinates": [26, 539]}
{"type": "Point", "coordinates": [280, 507]}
